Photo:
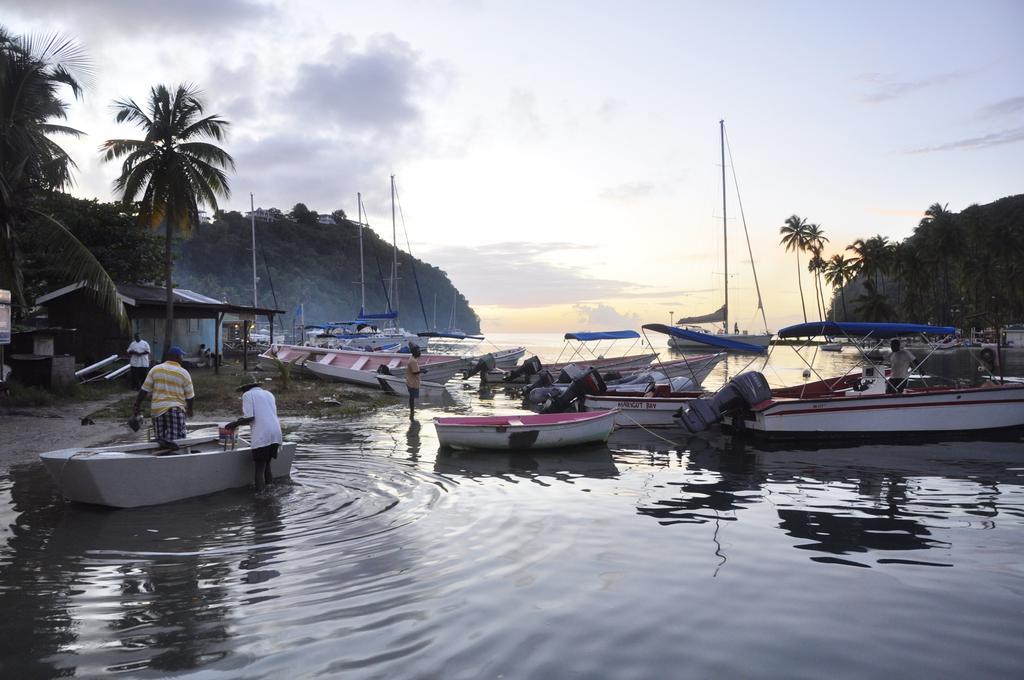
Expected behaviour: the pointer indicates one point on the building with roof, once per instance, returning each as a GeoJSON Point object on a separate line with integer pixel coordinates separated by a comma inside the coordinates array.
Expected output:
{"type": "Point", "coordinates": [197, 320]}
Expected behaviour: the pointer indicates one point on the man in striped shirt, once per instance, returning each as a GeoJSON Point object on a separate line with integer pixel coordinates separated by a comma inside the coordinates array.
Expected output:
{"type": "Point", "coordinates": [169, 387]}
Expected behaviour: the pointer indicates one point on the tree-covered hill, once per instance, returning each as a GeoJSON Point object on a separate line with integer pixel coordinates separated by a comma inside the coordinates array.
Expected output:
{"type": "Point", "coordinates": [316, 265]}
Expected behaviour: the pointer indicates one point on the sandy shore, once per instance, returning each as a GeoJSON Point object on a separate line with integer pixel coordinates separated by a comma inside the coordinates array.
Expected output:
{"type": "Point", "coordinates": [27, 432]}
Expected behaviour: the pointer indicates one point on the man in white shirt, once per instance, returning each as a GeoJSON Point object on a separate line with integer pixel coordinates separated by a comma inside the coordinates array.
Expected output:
{"type": "Point", "coordinates": [259, 411]}
{"type": "Point", "coordinates": [138, 358]}
{"type": "Point", "coordinates": [902, 360]}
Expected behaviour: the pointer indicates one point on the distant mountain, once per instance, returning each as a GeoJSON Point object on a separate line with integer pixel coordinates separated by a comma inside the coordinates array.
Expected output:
{"type": "Point", "coordinates": [316, 266]}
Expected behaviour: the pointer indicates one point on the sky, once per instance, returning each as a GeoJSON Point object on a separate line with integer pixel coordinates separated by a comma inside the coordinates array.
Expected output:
{"type": "Point", "coordinates": [560, 160]}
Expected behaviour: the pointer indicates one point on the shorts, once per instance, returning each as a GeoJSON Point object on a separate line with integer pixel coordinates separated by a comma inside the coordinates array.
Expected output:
{"type": "Point", "coordinates": [265, 453]}
{"type": "Point", "coordinates": [414, 393]}
{"type": "Point", "coordinates": [170, 425]}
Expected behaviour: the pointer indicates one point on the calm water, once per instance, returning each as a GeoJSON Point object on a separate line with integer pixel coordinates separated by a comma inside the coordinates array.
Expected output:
{"type": "Point", "coordinates": [657, 556]}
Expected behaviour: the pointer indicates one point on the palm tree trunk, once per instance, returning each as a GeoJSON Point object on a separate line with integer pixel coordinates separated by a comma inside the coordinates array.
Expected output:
{"type": "Point", "coordinates": [801, 284]}
{"type": "Point", "coordinates": [168, 267]}
{"type": "Point", "coordinates": [842, 294]}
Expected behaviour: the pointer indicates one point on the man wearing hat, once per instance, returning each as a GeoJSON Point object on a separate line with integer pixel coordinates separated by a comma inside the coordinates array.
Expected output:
{"type": "Point", "coordinates": [259, 411]}
{"type": "Point", "coordinates": [169, 387]}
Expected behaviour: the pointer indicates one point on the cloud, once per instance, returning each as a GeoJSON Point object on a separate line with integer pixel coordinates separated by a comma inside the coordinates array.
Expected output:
{"type": "Point", "coordinates": [628, 191]}
{"type": "Point", "coordinates": [1010, 136]}
{"type": "Point", "coordinates": [610, 107]}
{"type": "Point", "coordinates": [372, 90]}
{"type": "Point", "coordinates": [515, 274]}
{"type": "Point", "coordinates": [883, 89]}
{"type": "Point", "coordinates": [1005, 107]}
{"type": "Point", "coordinates": [522, 106]}
{"type": "Point", "coordinates": [151, 16]}
{"type": "Point", "coordinates": [601, 316]}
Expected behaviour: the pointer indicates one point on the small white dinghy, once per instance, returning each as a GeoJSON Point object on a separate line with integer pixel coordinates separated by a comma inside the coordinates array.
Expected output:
{"type": "Point", "coordinates": [396, 385]}
{"type": "Point", "coordinates": [131, 475]}
{"type": "Point", "coordinates": [536, 431]}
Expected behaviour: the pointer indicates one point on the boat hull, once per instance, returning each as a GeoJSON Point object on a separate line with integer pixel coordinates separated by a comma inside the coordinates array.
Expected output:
{"type": "Point", "coordinates": [396, 385]}
{"type": "Point", "coordinates": [639, 411]}
{"type": "Point", "coordinates": [524, 432]}
{"type": "Point", "coordinates": [761, 340]}
{"type": "Point", "coordinates": [132, 476]}
{"type": "Point", "coordinates": [925, 412]}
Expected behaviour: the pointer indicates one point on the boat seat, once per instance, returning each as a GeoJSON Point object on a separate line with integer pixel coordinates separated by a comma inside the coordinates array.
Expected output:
{"type": "Point", "coordinates": [515, 421]}
{"type": "Point", "coordinates": [360, 362]}
{"type": "Point", "coordinates": [325, 359]}
{"type": "Point", "coordinates": [394, 363]}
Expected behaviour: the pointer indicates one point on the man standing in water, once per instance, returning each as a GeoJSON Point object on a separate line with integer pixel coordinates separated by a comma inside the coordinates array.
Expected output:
{"type": "Point", "coordinates": [901, 361]}
{"type": "Point", "coordinates": [169, 387]}
{"type": "Point", "coordinates": [412, 379]}
{"type": "Point", "coordinates": [138, 358]}
{"type": "Point", "coordinates": [259, 410]}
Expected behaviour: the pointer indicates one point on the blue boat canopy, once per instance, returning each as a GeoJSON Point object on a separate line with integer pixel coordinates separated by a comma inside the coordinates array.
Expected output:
{"type": "Point", "coordinates": [861, 329]}
{"type": "Point", "coordinates": [709, 339]}
{"type": "Point", "coordinates": [602, 335]}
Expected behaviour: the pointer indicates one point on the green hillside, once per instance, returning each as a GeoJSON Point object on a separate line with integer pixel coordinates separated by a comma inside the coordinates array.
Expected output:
{"type": "Point", "coordinates": [316, 265]}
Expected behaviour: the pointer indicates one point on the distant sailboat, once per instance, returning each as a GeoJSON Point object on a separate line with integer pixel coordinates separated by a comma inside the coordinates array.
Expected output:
{"type": "Point", "coordinates": [721, 315]}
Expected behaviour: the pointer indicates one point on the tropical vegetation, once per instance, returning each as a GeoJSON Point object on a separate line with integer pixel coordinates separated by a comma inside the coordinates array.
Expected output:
{"type": "Point", "coordinates": [172, 169]}
{"type": "Point", "coordinates": [962, 269]}
{"type": "Point", "coordinates": [35, 74]}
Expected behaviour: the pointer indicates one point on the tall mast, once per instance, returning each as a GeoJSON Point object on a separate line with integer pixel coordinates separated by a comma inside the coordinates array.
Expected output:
{"type": "Point", "coordinates": [252, 215]}
{"type": "Point", "coordinates": [725, 232]}
{"type": "Point", "coordinates": [394, 256]}
{"type": "Point", "coordinates": [362, 272]}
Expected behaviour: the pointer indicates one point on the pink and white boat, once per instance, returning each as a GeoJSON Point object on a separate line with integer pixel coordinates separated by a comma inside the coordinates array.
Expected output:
{"type": "Point", "coordinates": [525, 431]}
{"type": "Point", "coordinates": [362, 368]}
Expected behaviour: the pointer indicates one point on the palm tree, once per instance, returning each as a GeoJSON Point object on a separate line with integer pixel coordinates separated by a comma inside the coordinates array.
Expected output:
{"type": "Point", "coordinates": [172, 169]}
{"type": "Point", "coordinates": [872, 305]}
{"type": "Point", "coordinates": [838, 272]}
{"type": "Point", "coordinates": [815, 243]}
{"type": "Point", "coordinates": [33, 71]}
{"type": "Point", "coordinates": [794, 236]}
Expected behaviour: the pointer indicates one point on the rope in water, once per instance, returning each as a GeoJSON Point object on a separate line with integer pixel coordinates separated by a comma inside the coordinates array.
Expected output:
{"type": "Point", "coordinates": [647, 430]}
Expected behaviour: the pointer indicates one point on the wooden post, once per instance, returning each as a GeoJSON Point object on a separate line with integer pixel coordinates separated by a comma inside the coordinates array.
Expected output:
{"type": "Point", "coordinates": [218, 320]}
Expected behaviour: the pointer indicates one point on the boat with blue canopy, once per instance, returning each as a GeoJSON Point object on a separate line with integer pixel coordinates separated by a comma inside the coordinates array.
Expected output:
{"type": "Point", "coordinates": [705, 339]}
{"type": "Point", "coordinates": [866, 402]}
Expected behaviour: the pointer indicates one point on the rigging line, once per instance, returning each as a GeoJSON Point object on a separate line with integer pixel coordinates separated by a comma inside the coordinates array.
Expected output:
{"type": "Point", "coordinates": [746, 232]}
{"type": "Point", "coordinates": [380, 271]}
{"type": "Point", "coordinates": [412, 263]}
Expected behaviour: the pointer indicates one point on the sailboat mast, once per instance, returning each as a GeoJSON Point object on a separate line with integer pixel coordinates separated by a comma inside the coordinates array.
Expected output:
{"type": "Point", "coordinates": [725, 231]}
{"type": "Point", "coordinates": [362, 271]}
{"type": "Point", "coordinates": [394, 255]}
{"type": "Point", "coordinates": [252, 218]}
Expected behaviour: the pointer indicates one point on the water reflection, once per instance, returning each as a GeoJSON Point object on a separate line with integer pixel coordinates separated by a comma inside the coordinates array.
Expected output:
{"type": "Point", "coordinates": [540, 467]}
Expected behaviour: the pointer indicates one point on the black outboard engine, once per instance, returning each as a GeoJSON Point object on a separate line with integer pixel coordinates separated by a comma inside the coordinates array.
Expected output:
{"type": "Point", "coordinates": [571, 373]}
{"type": "Point", "coordinates": [484, 364]}
{"type": "Point", "coordinates": [529, 367]}
{"type": "Point", "coordinates": [590, 383]}
{"type": "Point", "coordinates": [543, 380]}
{"type": "Point", "coordinates": [739, 394]}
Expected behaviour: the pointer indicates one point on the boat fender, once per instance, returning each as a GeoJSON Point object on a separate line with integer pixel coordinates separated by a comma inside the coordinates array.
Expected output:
{"type": "Point", "coordinates": [988, 355]}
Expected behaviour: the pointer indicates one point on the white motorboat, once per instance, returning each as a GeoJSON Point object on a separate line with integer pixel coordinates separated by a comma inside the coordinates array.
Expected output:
{"type": "Point", "coordinates": [866, 404]}
{"type": "Point", "coordinates": [429, 390]}
{"type": "Point", "coordinates": [526, 431]}
{"type": "Point", "coordinates": [131, 475]}
{"type": "Point", "coordinates": [688, 344]}
{"type": "Point", "coordinates": [656, 408]}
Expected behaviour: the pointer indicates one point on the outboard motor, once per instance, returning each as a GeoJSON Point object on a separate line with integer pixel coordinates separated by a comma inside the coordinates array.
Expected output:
{"type": "Point", "coordinates": [570, 374]}
{"type": "Point", "coordinates": [740, 393]}
{"type": "Point", "coordinates": [540, 395]}
{"type": "Point", "coordinates": [483, 365]}
{"type": "Point", "coordinates": [529, 367]}
{"type": "Point", "coordinates": [543, 380]}
{"type": "Point", "coordinates": [590, 383]}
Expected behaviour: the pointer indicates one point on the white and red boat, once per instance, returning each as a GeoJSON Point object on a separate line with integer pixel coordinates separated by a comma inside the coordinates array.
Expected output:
{"type": "Point", "coordinates": [524, 431]}
{"type": "Point", "coordinates": [865, 405]}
